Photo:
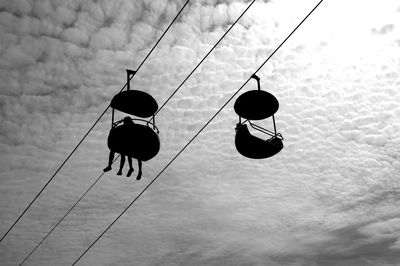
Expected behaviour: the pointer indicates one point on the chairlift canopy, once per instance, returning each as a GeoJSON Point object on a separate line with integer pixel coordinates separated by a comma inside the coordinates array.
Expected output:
{"type": "Point", "coordinates": [134, 102]}
{"type": "Point", "coordinates": [256, 105]}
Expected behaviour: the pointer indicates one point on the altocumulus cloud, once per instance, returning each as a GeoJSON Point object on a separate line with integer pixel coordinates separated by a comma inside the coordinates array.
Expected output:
{"type": "Point", "coordinates": [329, 198]}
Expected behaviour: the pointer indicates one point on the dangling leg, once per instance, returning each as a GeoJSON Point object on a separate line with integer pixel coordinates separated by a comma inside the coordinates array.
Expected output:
{"type": "Point", "coordinates": [121, 166]}
{"type": "Point", "coordinates": [110, 161]}
{"type": "Point", "coordinates": [130, 166]}
{"type": "Point", "coordinates": [139, 176]}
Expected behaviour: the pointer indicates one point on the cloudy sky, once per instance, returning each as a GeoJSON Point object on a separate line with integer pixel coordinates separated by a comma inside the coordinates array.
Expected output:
{"type": "Point", "coordinates": [330, 197]}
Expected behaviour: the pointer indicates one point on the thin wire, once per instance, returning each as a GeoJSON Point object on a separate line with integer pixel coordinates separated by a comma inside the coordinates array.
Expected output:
{"type": "Point", "coordinates": [195, 136]}
{"type": "Point", "coordinates": [52, 177]}
{"type": "Point", "coordinates": [65, 215]}
{"type": "Point", "coordinates": [87, 133]}
{"type": "Point", "coordinates": [223, 36]}
{"type": "Point", "coordinates": [172, 22]}
{"type": "Point", "coordinates": [204, 58]}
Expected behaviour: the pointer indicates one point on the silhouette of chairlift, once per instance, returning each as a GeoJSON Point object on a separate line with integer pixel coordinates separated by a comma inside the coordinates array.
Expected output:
{"type": "Point", "coordinates": [256, 105]}
{"type": "Point", "coordinates": [138, 140]}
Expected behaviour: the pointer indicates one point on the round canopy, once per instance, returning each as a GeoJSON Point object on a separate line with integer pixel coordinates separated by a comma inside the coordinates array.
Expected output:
{"type": "Point", "coordinates": [134, 102]}
{"type": "Point", "coordinates": [256, 105]}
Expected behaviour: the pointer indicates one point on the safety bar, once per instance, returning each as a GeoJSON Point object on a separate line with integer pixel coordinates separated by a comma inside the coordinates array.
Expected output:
{"type": "Point", "coordinates": [141, 120]}
{"type": "Point", "coordinates": [263, 130]}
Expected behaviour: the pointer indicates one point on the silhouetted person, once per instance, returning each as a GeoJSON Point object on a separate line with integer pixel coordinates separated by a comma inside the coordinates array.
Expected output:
{"type": "Point", "coordinates": [127, 122]}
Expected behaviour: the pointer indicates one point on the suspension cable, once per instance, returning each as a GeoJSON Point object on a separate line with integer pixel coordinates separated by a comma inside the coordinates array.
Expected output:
{"type": "Point", "coordinates": [204, 58]}
{"type": "Point", "coordinates": [65, 215]}
{"type": "Point", "coordinates": [195, 136]}
{"type": "Point", "coordinates": [157, 112]}
{"type": "Point", "coordinates": [223, 36]}
{"type": "Point", "coordinates": [87, 133]}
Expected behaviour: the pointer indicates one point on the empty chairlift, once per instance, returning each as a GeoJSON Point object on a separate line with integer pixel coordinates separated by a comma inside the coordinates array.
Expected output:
{"type": "Point", "coordinates": [256, 105]}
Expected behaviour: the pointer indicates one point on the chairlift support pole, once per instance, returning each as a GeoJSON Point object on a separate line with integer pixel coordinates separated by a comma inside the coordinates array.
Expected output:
{"type": "Point", "coordinates": [254, 76]}
{"type": "Point", "coordinates": [273, 119]}
{"type": "Point", "coordinates": [129, 72]}
{"type": "Point", "coordinates": [257, 78]}
{"type": "Point", "coordinates": [112, 118]}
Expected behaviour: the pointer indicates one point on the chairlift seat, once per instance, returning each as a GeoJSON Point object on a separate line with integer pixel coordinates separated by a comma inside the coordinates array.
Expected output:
{"type": "Point", "coordinates": [254, 147]}
{"type": "Point", "coordinates": [256, 105]}
{"type": "Point", "coordinates": [137, 141]}
{"type": "Point", "coordinates": [134, 102]}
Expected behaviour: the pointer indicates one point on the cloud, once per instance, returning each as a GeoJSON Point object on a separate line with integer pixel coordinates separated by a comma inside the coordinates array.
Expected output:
{"type": "Point", "coordinates": [351, 245]}
{"type": "Point", "coordinates": [329, 198]}
{"type": "Point", "coordinates": [76, 36]}
{"type": "Point", "coordinates": [108, 38]}
{"type": "Point", "coordinates": [19, 7]}
{"type": "Point", "coordinates": [388, 229]}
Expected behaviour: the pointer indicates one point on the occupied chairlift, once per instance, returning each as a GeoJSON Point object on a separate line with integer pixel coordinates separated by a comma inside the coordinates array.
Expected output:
{"type": "Point", "coordinates": [256, 105]}
{"type": "Point", "coordinates": [138, 140]}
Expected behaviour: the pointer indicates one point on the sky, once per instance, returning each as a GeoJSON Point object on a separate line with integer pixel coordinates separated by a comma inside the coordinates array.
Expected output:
{"type": "Point", "coordinates": [330, 197]}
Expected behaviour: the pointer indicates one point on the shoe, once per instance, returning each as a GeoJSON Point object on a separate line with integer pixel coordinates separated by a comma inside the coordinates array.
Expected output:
{"type": "Point", "coordinates": [119, 172]}
{"type": "Point", "coordinates": [139, 176]}
{"type": "Point", "coordinates": [129, 172]}
{"type": "Point", "coordinates": [108, 168]}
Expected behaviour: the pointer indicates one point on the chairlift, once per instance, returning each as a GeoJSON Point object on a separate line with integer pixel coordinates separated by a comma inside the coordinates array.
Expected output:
{"type": "Point", "coordinates": [138, 138]}
{"type": "Point", "coordinates": [254, 147]}
{"type": "Point", "coordinates": [256, 105]}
